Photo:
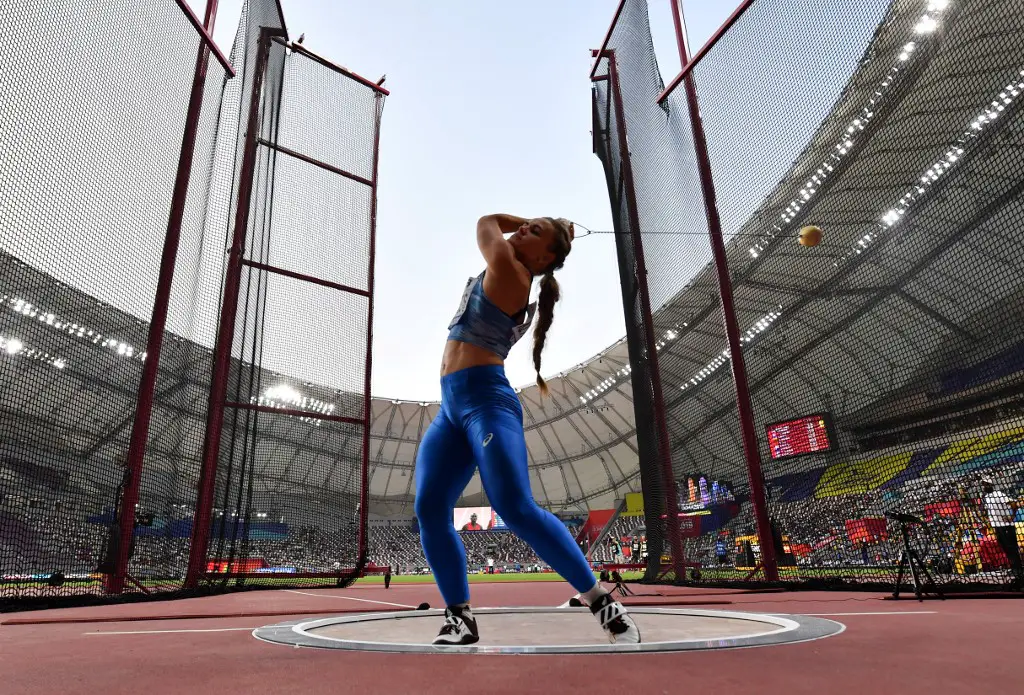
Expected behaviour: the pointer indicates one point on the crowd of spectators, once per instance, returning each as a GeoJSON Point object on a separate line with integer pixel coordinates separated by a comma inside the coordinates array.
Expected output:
{"type": "Point", "coordinates": [620, 542]}
{"type": "Point", "coordinates": [398, 547]}
{"type": "Point", "coordinates": [815, 529]}
{"type": "Point", "coordinates": [37, 539]}
{"type": "Point", "coordinates": [40, 541]}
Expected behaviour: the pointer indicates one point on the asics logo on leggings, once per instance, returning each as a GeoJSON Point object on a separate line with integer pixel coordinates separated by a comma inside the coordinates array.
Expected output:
{"type": "Point", "coordinates": [487, 439]}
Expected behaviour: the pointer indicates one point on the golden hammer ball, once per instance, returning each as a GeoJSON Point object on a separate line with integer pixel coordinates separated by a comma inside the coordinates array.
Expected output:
{"type": "Point", "coordinates": [810, 236]}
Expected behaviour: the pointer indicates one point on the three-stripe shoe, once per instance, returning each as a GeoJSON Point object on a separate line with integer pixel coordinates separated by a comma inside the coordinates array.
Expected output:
{"type": "Point", "coordinates": [616, 622]}
{"type": "Point", "coordinates": [459, 627]}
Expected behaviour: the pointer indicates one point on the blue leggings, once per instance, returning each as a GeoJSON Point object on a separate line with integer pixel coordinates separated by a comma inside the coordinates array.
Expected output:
{"type": "Point", "coordinates": [481, 424]}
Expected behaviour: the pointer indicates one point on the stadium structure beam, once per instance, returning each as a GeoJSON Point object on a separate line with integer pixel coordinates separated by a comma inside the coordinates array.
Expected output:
{"type": "Point", "coordinates": [394, 456]}
{"type": "Point", "coordinates": [744, 275]}
{"type": "Point", "coordinates": [942, 320]}
{"type": "Point", "coordinates": [304, 448]}
{"type": "Point", "coordinates": [794, 357]}
{"type": "Point", "coordinates": [177, 411]}
{"type": "Point", "coordinates": [744, 406]}
{"type": "Point", "coordinates": [114, 431]}
{"type": "Point", "coordinates": [594, 436]}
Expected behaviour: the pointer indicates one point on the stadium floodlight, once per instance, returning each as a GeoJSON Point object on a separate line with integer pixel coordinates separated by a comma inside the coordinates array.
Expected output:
{"type": "Point", "coordinates": [283, 392]}
{"type": "Point", "coordinates": [13, 346]}
{"type": "Point", "coordinates": [926, 25]}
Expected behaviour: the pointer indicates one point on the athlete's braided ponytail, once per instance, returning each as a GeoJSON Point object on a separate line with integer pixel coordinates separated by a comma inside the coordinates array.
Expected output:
{"type": "Point", "coordinates": [550, 293]}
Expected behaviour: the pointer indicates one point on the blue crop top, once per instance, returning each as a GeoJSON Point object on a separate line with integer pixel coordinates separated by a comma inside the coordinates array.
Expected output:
{"type": "Point", "coordinates": [480, 322]}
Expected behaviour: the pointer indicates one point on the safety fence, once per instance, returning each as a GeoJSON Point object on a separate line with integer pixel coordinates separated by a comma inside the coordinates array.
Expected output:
{"type": "Point", "coordinates": [186, 282]}
{"type": "Point", "coordinates": [834, 352]}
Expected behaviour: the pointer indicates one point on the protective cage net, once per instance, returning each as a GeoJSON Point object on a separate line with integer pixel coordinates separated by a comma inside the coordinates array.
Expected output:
{"type": "Point", "coordinates": [885, 363]}
{"type": "Point", "coordinates": [92, 131]}
{"type": "Point", "coordinates": [641, 371]}
{"type": "Point", "coordinates": [291, 472]}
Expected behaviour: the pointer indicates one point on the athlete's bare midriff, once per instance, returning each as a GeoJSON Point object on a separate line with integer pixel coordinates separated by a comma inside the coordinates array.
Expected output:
{"type": "Point", "coordinates": [459, 355]}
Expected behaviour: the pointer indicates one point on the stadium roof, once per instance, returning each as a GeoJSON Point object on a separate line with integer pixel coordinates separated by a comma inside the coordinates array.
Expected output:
{"type": "Point", "coordinates": [581, 454]}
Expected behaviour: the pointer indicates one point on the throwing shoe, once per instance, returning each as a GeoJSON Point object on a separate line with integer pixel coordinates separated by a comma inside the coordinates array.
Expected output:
{"type": "Point", "coordinates": [459, 628]}
{"type": "Point", "coordinates": [616, 622]}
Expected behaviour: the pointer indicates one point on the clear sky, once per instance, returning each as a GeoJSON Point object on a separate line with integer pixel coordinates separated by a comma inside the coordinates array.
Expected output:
{"type": "Point", "coordinates": [489, 112]}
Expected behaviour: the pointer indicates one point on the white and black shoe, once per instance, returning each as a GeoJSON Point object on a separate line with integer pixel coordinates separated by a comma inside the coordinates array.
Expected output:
{"type": "Point", "coordinates": [616, 622]}
{"type": "Point", "coordinates": [459, 628]}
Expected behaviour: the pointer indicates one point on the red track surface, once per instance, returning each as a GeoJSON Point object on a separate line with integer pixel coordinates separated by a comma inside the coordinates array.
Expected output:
{"type": "Point", "coordinates": [969, 646]}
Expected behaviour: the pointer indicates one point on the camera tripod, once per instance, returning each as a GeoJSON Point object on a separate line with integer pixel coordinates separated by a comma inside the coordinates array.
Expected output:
{"type": "Point", "coordinates": [909, 557]}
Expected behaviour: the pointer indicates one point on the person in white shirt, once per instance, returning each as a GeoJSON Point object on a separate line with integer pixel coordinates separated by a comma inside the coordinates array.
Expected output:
{"type": "Point", "coordinates": [1001, 509]}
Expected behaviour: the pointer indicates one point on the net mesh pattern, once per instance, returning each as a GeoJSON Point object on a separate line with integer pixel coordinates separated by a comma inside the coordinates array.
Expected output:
{"type": "Point", "coordinates": [612, 100]}
{"type": "Point", "coordinates": [899, 137]}
{"type": "Point", "coordinates": [299, 352]}
{"type": "Point", "coordinates": [92, 131]}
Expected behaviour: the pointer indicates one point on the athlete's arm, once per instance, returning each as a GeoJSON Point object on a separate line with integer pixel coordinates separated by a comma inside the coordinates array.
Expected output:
{"type": "Point", "coordinates": [490, 237]}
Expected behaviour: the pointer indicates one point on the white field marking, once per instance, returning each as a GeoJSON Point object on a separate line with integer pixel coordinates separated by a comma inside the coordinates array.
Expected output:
{"type": "Point", "coordinates": [250, 629]}
{"type": "Point", "coordinates": [825, 615]}
{"type": "Point", "coordinates": [168, 632]}
{"type": "Point", "coordinates": [350, 598]}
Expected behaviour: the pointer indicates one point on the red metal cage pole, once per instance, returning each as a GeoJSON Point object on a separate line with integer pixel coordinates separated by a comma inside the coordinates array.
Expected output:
{"type": "Point", "coordinates": [210, 17]}
{"type": "Point", "coordinates": [364, 492]}
{"type": "Point", "coordinates": [664, 450]}
{"type": "Point", "coordinates": [739, 370]}
{"type": "Point", "coordinates": [600, 52]}
{"type": "Point", "coordinates": [226, 331]}
{"type": "Point", "coordinates": [114, 582]}
{"type": "Point", "coordinates": [688, 64]}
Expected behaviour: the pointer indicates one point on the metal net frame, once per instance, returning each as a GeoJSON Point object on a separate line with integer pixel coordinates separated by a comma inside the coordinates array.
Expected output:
{"type": "Point", "coordinates": [123, 180]}
{"type": "Point", "coordinates": [285, 465]}
{"type": "Point", "coordinates": [871, 433]}
{"type": "Point", "coordinates": [102, 143]}
{"type": "Point", "coordinates": [657, 481]}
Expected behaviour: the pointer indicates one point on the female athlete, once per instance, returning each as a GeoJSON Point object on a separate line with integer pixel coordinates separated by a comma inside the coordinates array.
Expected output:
{"type": "Point", "coordinates": [481, 423]}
